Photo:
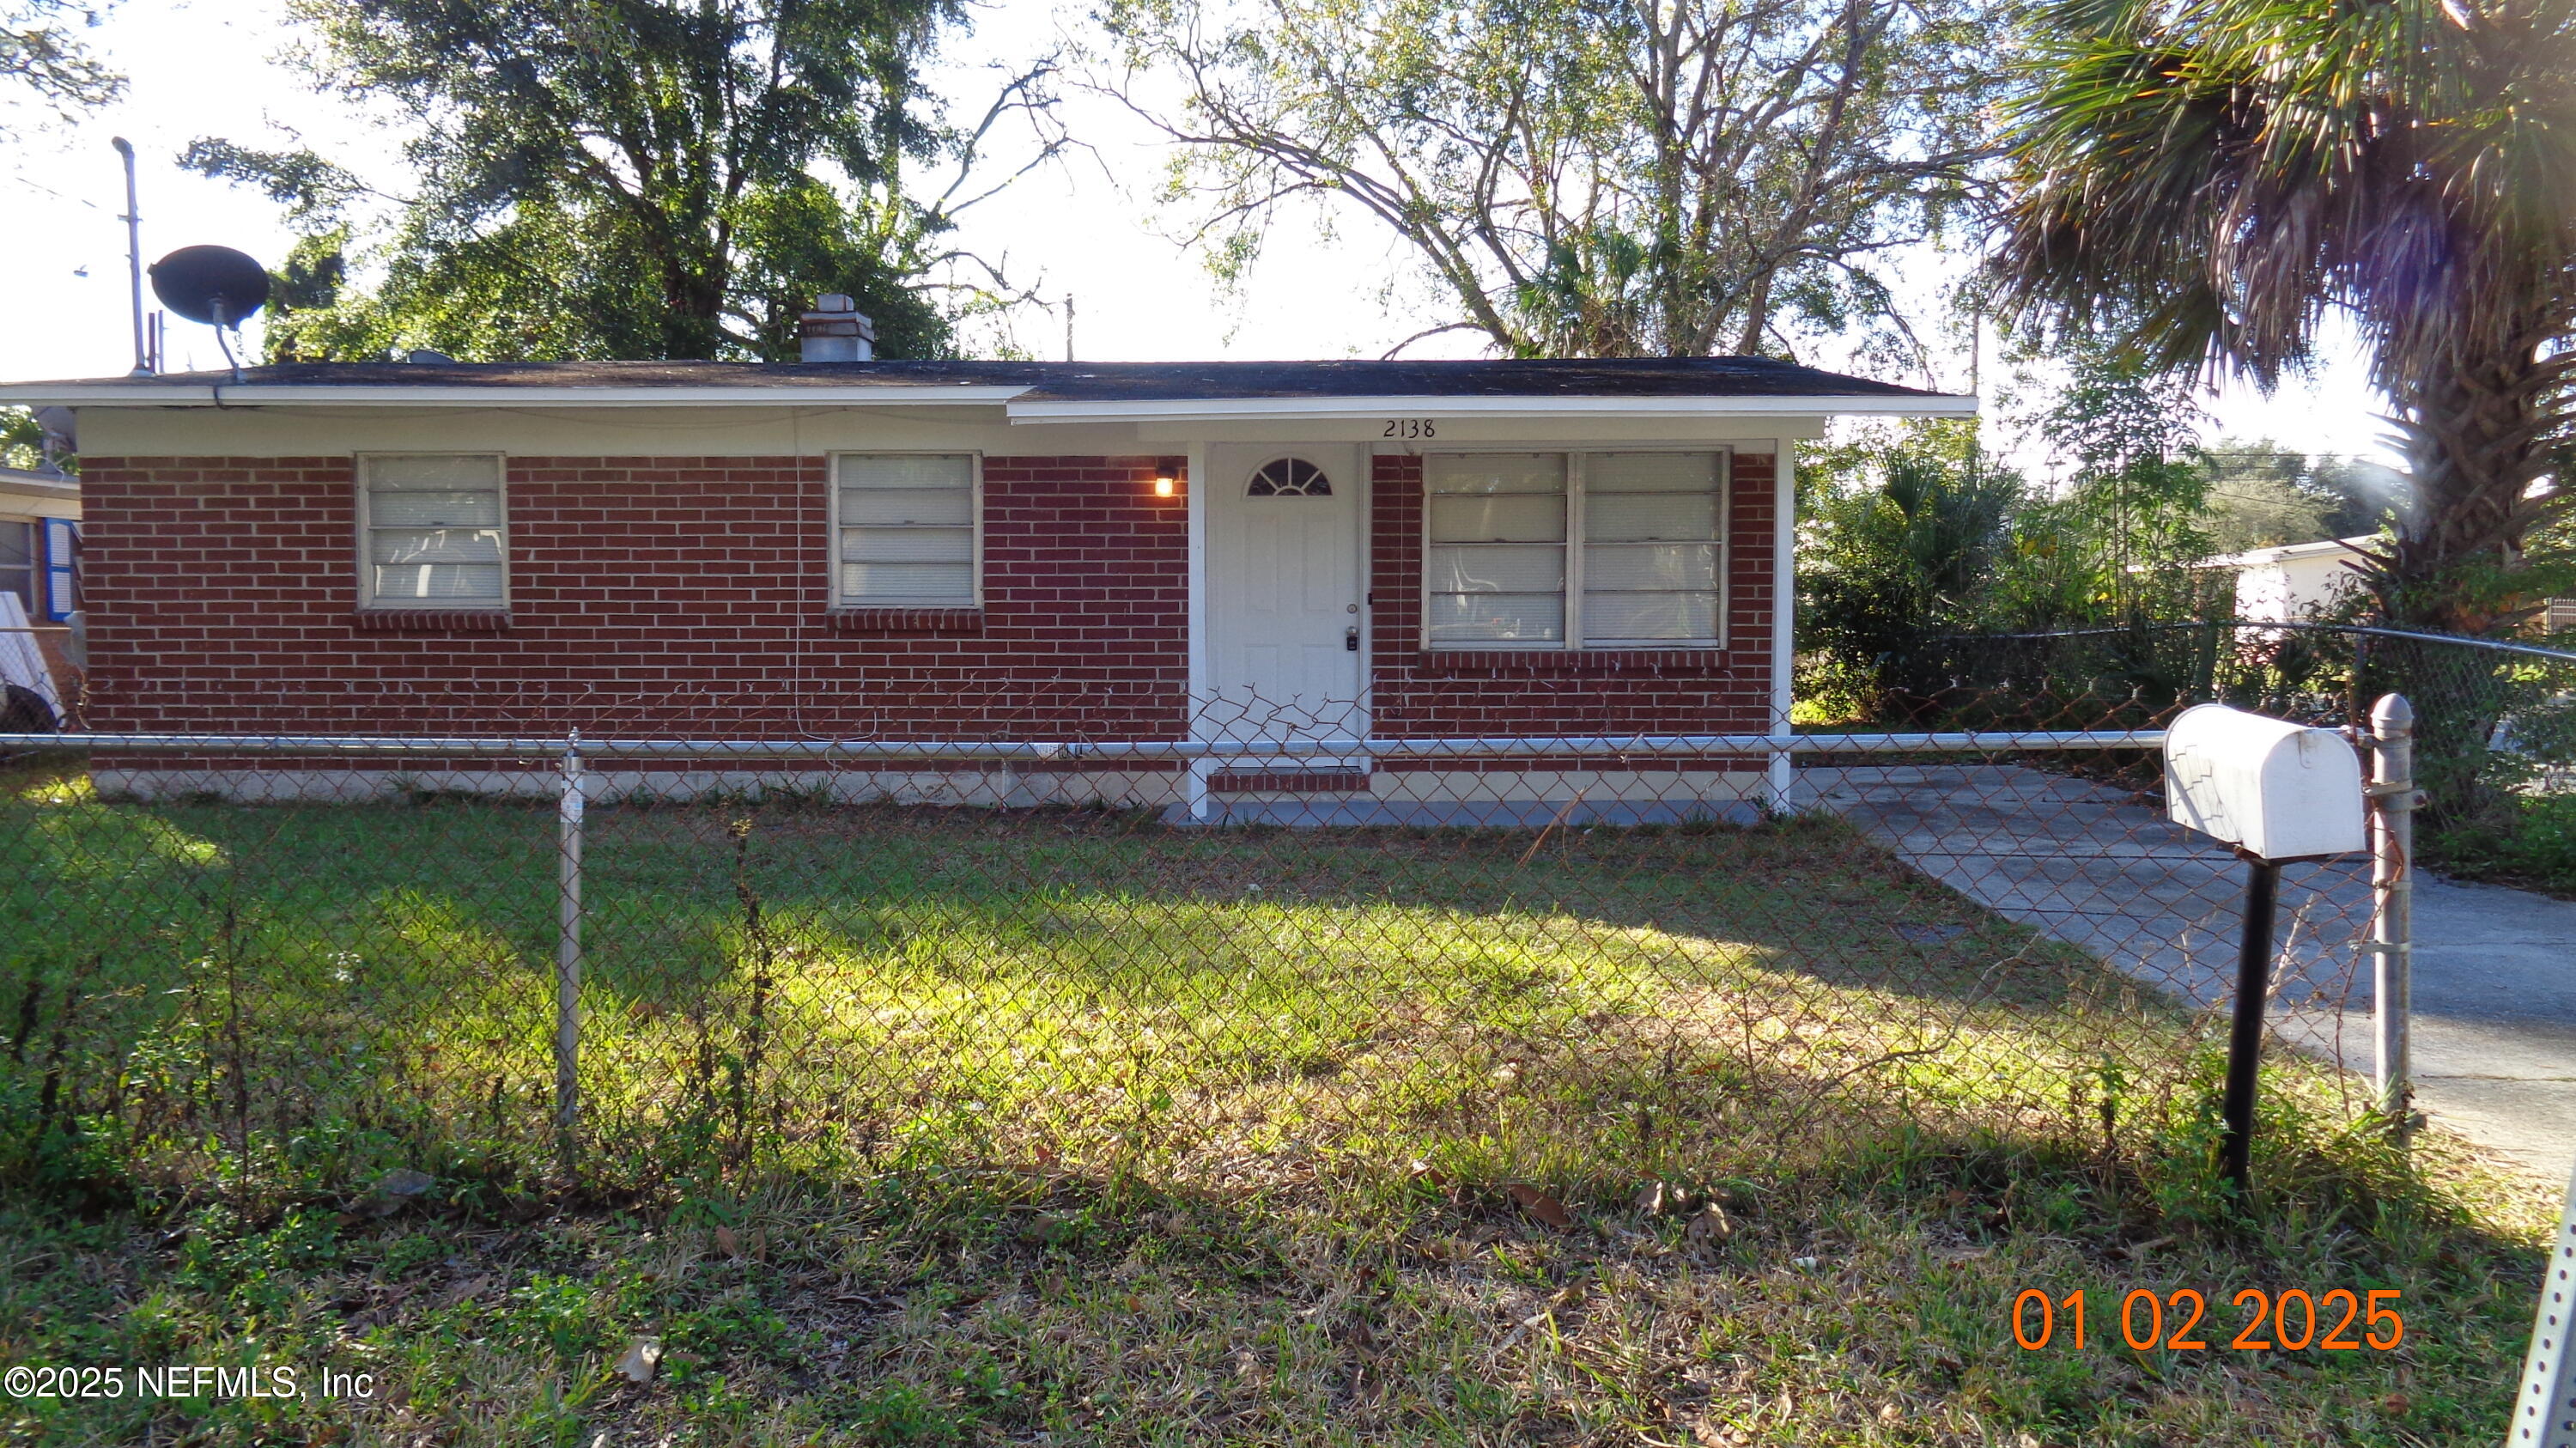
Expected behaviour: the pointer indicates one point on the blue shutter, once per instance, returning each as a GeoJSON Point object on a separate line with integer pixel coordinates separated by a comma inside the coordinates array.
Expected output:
{"type": "Point", "coordinates": [62, 590]}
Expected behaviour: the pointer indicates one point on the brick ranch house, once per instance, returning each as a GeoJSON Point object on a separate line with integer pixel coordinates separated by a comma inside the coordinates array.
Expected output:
{"type": "Point", "coordinates": [968, 551]}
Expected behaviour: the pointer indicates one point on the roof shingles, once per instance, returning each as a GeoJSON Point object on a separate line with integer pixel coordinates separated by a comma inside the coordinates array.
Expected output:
{"type": "Point", "coordinates": [1100, 381]}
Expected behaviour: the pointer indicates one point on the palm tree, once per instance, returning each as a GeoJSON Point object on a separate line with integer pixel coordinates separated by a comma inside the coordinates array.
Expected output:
{"type": "Point", "coordinates": [2206, 179]}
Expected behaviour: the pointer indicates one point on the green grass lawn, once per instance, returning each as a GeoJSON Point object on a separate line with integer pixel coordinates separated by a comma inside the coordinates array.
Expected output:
{"type": "Point", "coordinates": [910, 1126]}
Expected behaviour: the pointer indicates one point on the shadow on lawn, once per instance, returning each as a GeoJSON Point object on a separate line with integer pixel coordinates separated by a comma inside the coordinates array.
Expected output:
{"type": "Point", "coordinates": [1816, 1285]}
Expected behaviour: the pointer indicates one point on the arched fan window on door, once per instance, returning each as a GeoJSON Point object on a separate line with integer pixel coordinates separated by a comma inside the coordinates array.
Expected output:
{"type": "Point", "coordinates": [1289, 478]}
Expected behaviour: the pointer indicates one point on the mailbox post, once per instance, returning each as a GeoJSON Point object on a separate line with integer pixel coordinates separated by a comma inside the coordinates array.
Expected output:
{"type": "Point", "coordinates": [2245, 1027]}
{"type": "Point", "coordinates": [2279, 792]}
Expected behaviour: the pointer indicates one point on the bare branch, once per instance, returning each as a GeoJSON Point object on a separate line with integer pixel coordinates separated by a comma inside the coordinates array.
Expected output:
{"type": "Point", "coordinates": [1648, 181]}
{"type": "Point", "coordinates": [1389, 354]}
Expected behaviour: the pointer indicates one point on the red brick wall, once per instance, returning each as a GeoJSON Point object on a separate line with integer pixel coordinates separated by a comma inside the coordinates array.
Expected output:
{"type": "Point", "coordinates": [690, 596]}
{"type": "Point", "coordinates": [647, 595]}
{"type": "Point", "coordinates": [1449, 693]}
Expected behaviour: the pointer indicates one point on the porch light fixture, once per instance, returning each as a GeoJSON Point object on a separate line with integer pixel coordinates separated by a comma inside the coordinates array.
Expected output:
{"type": "Point", "coordinates": [1165, 486]}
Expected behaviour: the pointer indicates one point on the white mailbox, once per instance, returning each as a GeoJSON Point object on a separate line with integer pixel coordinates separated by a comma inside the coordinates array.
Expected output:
{"type": "Point", "coordinates": [2282, 791]}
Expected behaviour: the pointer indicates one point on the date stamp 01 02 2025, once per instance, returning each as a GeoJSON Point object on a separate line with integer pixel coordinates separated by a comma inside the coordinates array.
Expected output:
{"type": "Point", "coordinates": [2340, 1320]}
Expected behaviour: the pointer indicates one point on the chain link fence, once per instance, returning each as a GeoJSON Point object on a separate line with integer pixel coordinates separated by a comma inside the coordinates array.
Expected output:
{"type": "Point", "coordinates": [2495, 718]}
{"type": "Point", "coordinates": [1237, 954]}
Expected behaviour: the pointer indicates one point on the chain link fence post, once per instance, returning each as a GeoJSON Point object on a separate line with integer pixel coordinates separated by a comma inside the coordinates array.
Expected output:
{"type": "Point", "coordinates": [568, 833]}
{"type": "Point", "coordinates": [2544, 1414]}
{"type": "Point", "coordinates": [2392, 894]}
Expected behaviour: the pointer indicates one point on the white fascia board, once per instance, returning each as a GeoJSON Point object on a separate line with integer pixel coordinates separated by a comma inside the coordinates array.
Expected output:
{"type": "Point", "coordinates": [1347, 408]}
{"type": "Point", "coordinates": [58, 394]}
{"type": "Point", "coordinates": [39, 485]}
{"type": "Point", "coordinates": [2284, 552]}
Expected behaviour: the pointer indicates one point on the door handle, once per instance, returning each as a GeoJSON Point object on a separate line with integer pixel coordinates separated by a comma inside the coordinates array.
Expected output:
{"type": "Point", "coordinates": [1351, 639]}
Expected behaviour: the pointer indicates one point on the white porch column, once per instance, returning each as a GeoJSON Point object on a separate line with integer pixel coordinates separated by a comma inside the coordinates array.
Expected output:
{"type": "Point", "coordinates": [1194, 786]}
{"type": "Point", "coordinates": [1784, 612]}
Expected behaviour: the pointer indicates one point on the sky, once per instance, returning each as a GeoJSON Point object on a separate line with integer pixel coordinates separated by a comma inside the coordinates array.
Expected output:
{"type": "Point", "coordinates": [1089, 228]}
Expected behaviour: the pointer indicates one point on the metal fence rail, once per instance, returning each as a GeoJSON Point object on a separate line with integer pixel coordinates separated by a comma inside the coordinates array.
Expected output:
{"type": "Point", "coordinates": [1612, 746]}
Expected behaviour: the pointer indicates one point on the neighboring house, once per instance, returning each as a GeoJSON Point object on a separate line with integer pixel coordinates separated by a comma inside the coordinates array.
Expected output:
{"type": "Point", "coordinates": [2296, 581]}
{"type": "Point", "coordinates": [965, 551]}
{"type": "Point", "coordinates": [39, 559]}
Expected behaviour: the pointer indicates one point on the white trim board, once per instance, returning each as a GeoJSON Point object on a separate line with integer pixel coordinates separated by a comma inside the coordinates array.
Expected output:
{"type": "Point", "coordinates": [253, 394]}
{"type": "Point", "coordinates": [1441, 406]}
{"type": "Point", "coordinates": [1487, 430]}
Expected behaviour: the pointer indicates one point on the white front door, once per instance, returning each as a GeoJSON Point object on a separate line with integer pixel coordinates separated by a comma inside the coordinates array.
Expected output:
{"type": "Point", "coordinates": [1284, 589]}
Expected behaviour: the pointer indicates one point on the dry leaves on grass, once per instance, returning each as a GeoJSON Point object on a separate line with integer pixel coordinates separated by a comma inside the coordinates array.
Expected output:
{"type": "Point", "coordinates": [1540, 1205]}
{"type": "Point", "coordinates": [1711, 1225]}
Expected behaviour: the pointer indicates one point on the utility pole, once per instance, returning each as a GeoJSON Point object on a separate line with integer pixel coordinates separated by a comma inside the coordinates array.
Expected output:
{"type": "Point", "coordinates": [1068, 326]}
{"type": "Point", "coordinates": [1976, 385]}
{"type": "Point", "coordinates": [1976, 347]}
{"type": "Point", "coordinates": [133, 220]}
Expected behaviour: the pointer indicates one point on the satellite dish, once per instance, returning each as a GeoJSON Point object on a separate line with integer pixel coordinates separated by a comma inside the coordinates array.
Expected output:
{"type": "Point", "coordinates": [212, 284]}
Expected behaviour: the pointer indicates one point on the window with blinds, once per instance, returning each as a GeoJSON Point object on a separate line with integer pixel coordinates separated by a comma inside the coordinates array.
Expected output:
{"type": "Point", "coordinates": [905, 530]}
{"type": "Point", "coordinates": [1562, 550]}
{"type": "Point", "coordinates": [1650, 547]}
{"type": "Point", "coordinates": [1496, 567]}
{"type": "Point", "coordinates": [433, 530]}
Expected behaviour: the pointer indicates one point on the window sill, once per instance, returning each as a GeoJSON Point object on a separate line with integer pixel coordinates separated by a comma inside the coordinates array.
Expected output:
{"type": "Point", "coordinates": [1654, 663]}
{"type": "Point", "coordinates": [881, 622]}
{"type": "Point", "coordinates": [431, 620]}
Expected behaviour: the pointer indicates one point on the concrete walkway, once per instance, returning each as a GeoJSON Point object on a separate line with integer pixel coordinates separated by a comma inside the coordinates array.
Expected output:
{"type": "Point", "coordinates": [2099, 867]}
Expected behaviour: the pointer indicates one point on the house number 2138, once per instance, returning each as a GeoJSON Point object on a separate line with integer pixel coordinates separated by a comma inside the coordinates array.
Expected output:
{"type": "Point", "coordinates": [1409, 427]}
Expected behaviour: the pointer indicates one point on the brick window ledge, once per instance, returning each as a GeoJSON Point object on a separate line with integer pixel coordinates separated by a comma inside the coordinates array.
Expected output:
{"type": "Point", "coordinates": [886, 621]}
{"type": "Point", "coordinates": [430, 620]}
{"type": "Point", "coordinates": [1650, 663]}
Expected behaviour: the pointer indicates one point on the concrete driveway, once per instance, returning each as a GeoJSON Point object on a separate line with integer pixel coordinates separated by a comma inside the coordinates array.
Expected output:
{"type": "Point", "coordinates": [2099, 867]}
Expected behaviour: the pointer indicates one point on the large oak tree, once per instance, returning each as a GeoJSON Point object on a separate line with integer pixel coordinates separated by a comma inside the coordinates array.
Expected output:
{"type": "Point", "coordinates": [1587, 177]}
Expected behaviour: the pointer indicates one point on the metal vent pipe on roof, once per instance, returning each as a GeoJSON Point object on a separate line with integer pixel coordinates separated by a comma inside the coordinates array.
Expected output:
{"type": "Point", "coordinates": [836, 331]}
